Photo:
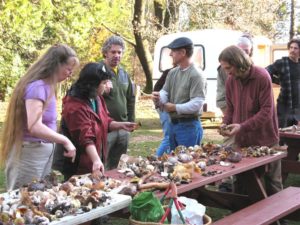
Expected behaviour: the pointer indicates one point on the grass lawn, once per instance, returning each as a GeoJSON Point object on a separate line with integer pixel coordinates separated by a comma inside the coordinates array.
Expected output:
{"type": "Point", "coordinates": [146, 139]}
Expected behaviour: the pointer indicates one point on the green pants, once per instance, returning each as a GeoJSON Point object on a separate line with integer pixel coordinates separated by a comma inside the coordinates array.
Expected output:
{"type": "Point", "coordinates": [117, 144]}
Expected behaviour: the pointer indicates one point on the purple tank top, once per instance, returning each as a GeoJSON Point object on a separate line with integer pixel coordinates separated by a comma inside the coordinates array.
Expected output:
{"type": "Point", "coordinates": [40, 90]}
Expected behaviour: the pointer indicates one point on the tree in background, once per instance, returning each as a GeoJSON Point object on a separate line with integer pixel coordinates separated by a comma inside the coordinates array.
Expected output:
{"type": "Point", "coordinates": [289, 21]}
{"type": "Point", "coordinates": [29, 26]}
{"type": "Point", "coordinates": [152, 19]}
{"type": "Point", "coordinates": [294, 28]}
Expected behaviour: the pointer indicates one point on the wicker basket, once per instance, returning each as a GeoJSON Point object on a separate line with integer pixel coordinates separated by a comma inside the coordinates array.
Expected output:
{"type": "Point", "coordinates": [206, 221]}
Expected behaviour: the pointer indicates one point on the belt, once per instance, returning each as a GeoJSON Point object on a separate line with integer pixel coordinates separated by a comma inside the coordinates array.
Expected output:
{"type": "Point", "coordinates": [184, 119]}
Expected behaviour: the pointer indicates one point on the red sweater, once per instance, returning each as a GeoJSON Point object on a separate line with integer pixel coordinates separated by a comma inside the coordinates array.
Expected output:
{"type": "Point", "coordinates": [86, 127]}
{"type": "Point", "coordinates": [250, 103]}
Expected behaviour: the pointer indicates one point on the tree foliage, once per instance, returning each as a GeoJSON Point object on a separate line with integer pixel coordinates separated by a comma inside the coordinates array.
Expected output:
{"type": "Point", "coordinates": [28, 27]}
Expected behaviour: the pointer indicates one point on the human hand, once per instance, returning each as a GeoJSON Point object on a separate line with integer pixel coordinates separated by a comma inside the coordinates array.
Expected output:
{"type": "Point", "coordinates": [70, 149]}
{"type": "Point", "coordinates": [170, 107]}
{"type": "Point", "coordinates": [129, 126]}
{"type": "Point", "coordinates": [223, 130]}
{"type": "Point", "coordinates": [233, 128]}
{"type": "Point", "coordinates": [155, 96]}
{"type": "Point", "coordinates": [98, 168]}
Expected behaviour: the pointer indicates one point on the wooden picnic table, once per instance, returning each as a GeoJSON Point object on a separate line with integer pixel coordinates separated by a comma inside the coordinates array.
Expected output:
{"type": "Point", "coordinates": [291, 163]}
{"type": "Point", "coordinates": [252, 168]}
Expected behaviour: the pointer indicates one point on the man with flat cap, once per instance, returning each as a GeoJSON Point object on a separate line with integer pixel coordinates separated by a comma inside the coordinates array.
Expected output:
{"type": "Point", "coordinates": [182, 96]}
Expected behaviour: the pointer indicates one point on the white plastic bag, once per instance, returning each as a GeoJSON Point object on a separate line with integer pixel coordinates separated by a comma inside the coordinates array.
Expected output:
{"type": "Point", "coordinates": [193, 212]}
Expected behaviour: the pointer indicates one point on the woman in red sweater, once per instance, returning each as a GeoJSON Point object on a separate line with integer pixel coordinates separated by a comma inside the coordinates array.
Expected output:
{"type": "Point", "coordinates": [85, 120]}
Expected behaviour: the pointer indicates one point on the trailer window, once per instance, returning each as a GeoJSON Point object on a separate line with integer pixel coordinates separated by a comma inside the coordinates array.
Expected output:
{"type": "Point", "coordinates": [165, 61]}
{"type": "Point", "coordinates": [279, 53]}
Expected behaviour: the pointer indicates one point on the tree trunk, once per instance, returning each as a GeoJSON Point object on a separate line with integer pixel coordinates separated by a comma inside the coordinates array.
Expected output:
{"type": "Point", "coordinates": [158, 12]}
{"type": "Point", "coordinates": [292, 24]}
{"type": "Point", "coordinates": [142, 46]}
{"type": "Point", "coordinates": [170, 13]}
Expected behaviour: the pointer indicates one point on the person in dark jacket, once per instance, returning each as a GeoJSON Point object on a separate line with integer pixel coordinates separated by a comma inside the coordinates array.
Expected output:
{"type": "Point", "coordinates": [85, 120]}
{"type": "Point", "coordinates": [164, 117]}
{"type": "Point", "coordinates": [286, 73]}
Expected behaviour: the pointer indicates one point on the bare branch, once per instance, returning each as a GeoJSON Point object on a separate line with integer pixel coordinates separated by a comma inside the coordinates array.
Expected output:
{"type": "Point", "coordinates": [118, 34]}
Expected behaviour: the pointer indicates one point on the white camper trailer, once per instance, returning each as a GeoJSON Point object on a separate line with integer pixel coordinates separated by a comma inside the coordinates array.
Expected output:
{"type": "Point", "coordinates": [208, 44]}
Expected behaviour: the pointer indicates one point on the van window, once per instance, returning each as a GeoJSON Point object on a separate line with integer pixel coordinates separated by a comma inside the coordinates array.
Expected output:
{"type": "Point", "coordinates": [166, 62]}
{"type": "Point", "coordinates": [279, 53]}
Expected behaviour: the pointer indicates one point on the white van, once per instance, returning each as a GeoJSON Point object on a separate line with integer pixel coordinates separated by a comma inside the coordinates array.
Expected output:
{"type": "Point", "coordinates": [208, 44]}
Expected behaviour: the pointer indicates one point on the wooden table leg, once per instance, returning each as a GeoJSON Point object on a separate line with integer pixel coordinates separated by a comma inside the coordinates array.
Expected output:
{"type": "Point", "coordinates": [255, 188]}
{"type": "Point", "coordinates": [224, 200]}
{"type": "Point", "coordinates": [290, 164]}
{"type": "Point", "coordinates": [233, 201]}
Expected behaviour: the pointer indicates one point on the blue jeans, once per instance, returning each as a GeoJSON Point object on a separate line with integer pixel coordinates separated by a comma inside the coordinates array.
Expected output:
{"type": "Point", "coordinates": [188, 133]}
{"type": "Point", "coordinates": [164, 146]}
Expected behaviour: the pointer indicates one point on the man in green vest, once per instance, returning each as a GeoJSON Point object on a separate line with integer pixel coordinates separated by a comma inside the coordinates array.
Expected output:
{"type": "Point", "coordinates": [119, 97]}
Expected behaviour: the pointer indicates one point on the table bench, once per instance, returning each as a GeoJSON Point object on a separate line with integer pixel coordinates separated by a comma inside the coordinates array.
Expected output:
{"type": "Point", "coordinates": [266, 211]}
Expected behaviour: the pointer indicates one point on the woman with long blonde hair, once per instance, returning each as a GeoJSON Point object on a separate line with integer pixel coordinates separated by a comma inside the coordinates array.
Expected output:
{"type": "Point", "coordinates": [29, 131]}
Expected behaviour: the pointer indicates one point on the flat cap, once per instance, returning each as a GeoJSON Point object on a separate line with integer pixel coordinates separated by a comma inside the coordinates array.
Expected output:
{"type": "Point", "coordinates": [180, 43]}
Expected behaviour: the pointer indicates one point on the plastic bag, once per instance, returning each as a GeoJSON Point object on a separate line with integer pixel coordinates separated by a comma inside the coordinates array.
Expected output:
{"type": "Point", "coordinates": [193, 212]}
{"type": "Point", "coordinates": [146, 207]}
